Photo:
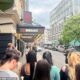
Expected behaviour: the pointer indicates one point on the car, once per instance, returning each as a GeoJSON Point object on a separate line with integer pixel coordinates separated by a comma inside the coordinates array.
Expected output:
{"type": "Point", "coordinates": [61, 49]}
{"type": "Point", "coordinates": [39, 49]}
{"type": "Point", "coordinates": [68, 50]}
{"type": "Point", "coordinates": [54, 48]}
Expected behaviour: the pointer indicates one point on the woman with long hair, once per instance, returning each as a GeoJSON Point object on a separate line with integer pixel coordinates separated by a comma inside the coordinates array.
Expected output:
{"type": "Point", "coordinates": [73, 60]}
{"type": "Point", "coordinates": [42, 71]}
{"type": "Point", "coordinates": [28, 68]}
{"type": "Point", "coordinates": [54, 72]}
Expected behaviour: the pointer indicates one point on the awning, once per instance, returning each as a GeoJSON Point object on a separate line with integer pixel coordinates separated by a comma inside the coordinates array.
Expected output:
{"type": "Point", "coordinates": [30, 32]}
{"type": "Point", "coordinates": [74, 43]}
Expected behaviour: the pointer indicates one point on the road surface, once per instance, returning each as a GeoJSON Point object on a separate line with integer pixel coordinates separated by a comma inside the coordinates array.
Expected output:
{"type": "Point", "coordinates": [58, 57]}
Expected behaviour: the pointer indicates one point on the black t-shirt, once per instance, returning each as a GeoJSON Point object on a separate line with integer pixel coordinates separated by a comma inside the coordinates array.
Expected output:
{"type": "Point", "coordinates": [31, 58]}
{"type": "Point", "coordinates": [64, 73]}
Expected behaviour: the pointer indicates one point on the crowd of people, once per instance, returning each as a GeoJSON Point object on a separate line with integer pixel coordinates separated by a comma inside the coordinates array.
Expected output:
{"type": "Point", "coordinates": [12, 69]}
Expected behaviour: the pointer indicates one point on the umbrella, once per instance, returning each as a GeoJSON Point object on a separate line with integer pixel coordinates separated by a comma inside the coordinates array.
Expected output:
{"type": "Point", "coordinates": [74, 43]}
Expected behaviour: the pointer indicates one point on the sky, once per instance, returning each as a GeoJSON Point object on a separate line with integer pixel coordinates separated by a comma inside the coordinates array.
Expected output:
{"type": "Point", "coordinates": [41, 10]}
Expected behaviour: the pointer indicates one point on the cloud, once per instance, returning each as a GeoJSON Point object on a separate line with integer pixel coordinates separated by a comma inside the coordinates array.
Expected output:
{"type": "Point", "coordinates": [36, 10]}
{"type": "Point", "coordinates": [41, 10]}
{"type": "Point", "coordinates": [41, 19]}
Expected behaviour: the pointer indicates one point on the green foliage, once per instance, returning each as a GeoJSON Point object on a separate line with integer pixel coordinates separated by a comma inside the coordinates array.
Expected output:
{"type": "Point", "coordinates": [60, 41]}
{"type": "Point", "coordinates": [6, 4]}
{"type": "Point", "coordinates": [71, 29]}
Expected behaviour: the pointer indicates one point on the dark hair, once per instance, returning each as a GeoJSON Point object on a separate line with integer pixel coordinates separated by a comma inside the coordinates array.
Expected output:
{"type": "Point", "coordinates": [77, 71]}
{"type": "Point", "coordinates": [9, 55]}
{"type": "Point", "coordinates": [11, 45]}
{"type": "Point", "coordinates": [31, 56]}
{"type": "Point", "coordinates": [42, 71]}
{"type": "Point", "coordinates": [34, 48]}
{"type": "Point", "coordinates": [31, 59]}
{"type": "Point", "coordinates": [27, 46]}
{"type": "Point", "coordinates": [47, 55]}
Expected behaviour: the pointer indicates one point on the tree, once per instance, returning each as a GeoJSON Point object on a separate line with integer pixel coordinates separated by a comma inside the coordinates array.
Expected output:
{"type": "Point", "coordinates": [71, 29]}
{"type": "Point", "coordinates": [60, 41]}
{"type": "Point", "coordinates": [6, 4]}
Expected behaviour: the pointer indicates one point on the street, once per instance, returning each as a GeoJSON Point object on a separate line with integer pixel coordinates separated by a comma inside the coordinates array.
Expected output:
{"type": "Point", "coordinates": [58, 57]}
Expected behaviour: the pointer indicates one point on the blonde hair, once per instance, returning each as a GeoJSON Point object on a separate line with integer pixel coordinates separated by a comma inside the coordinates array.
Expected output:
{"type": "Point", "coordinates": [73, 59]}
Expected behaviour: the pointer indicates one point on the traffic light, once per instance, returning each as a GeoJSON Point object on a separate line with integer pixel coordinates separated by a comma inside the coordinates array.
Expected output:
{"type": "Point", "coordinates": [6, 4]}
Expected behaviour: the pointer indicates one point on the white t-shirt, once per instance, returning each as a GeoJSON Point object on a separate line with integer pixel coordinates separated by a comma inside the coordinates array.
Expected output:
{"type": "Point", "coordinates": [8, 75]}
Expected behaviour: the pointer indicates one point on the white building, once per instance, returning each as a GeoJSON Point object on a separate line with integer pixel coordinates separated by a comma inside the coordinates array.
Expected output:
{"type": "Point", "coordinates": [47, 36]}
{"type": "Point", "coordinates": [64, 10]}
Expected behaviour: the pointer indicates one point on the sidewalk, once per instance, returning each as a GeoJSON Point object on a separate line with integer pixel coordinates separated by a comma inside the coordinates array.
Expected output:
{"type": "Point", "coordinates": [23, 59]}
{"type": "Point", "coordinates": [39, 56]}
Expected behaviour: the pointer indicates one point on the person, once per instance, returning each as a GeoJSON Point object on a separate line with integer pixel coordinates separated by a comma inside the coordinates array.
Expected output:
{"type": "Point", "coordinates": [28, 68]}
{"type": "Point", "coordinates": [42, 70]}
{"type": "Point", "coordinates": [77, 71]}
{"type": "Point", "coordinates": [54, 72]}
{"type": "Point", "coordinates": [26, 50]}
{"type": "Point", "coordinates": [10, 46]}
{"type": "Point", "coordinates": [7, 64]}
{"type": "Point", "coordinates": [34, 47]}
{"type": "Point", "coordinates": [64, 73]}
{"type": "Point", "coordinates": [67, 52]}
{"type": "Point", "coordinates": [64, 69]}
{"type": "Point", "coordinates": [73, 59]}
{"type": "Point", "coordinates": [17, 70]}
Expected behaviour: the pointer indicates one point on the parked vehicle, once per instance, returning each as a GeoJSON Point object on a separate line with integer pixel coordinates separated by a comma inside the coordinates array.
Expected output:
{"type": "Point", "coordinates": [39, 49]}
{"type": "Point", "coordinates": [55, 49]}
{"type": "Point", "coordinates": [61, 49]}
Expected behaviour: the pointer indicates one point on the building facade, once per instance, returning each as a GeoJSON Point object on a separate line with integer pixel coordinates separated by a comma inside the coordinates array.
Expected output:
{"type": "Point", "coordinates": [64, 10]}
{"type": "Point", "coordinates": [26, 5]}
{"type": "Point", "coordinates": [11, 17]}
{"type": "Point", "coordinates": [47, 36]}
